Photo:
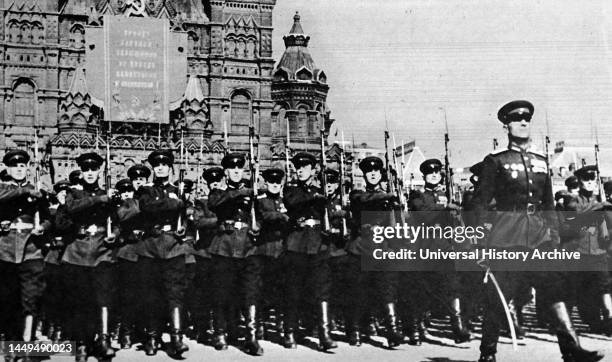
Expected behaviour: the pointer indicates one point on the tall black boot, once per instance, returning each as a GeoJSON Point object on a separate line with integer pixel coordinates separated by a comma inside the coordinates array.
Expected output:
{"type": "Point", "coordinates": [251, 346]}
{"type": "Point", "coordinates": [176, 347]}
{"type": "Point", "coordinates": [57, 336]}
{"type": "Point", "coordinates": [102, 347]}
{"type": "Point", "coordinates": [568, 338]}
{"type": "Point", "coordinates": [353, 333]}
{"type": "Point", "coordinates": [606, 308]}
{"type": "Point", "coordinates": [220, 340]}
{"type": "Point", "coordinates": [462, 334]}
{"type": "Point", "coordinates": [150, 343]}
{"type": "Point", "coordinates": [394, 336]}
{"type": "Point", "coordinates": [325, 340]}
{"type": "Point", "coordinates": [414, 333]}
{"type": "Point", "coordinates": [81, 352]}
{"type": "Point", "coordinates": [125, 336]}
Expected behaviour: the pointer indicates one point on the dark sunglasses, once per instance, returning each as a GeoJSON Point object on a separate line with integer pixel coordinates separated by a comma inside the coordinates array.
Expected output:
{"type": "Point", "coordinates": [89, 168]}
{"type": "Point", "coordinates": [590, 176]}
{"type": "Point", "coordinates": [517, 117]}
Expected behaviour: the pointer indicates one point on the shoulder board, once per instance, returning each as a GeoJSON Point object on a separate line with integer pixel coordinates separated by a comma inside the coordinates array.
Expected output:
{"type": "Point", "coordinates": [262, 196]}
{"type": "Point", "coordinates": [497, 152]}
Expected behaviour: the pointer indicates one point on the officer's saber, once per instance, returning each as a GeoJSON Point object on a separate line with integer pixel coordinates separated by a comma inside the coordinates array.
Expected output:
{"type": "Point", "coordinates": [489, 276]}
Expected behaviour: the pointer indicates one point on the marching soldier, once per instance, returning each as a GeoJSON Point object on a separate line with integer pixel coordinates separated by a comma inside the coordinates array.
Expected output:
{"type": "Point", "coordinates": [55, 280]}
{"type": "Point", "coordinates": [432, 208]}
{"type": "Point", "coordinates": [588, 229]}
{"type": "Point", "coordinates": [161, 256]}
{"type": "Point", "coordinates": [229, 247]}
{"type": "Point", "coordinates": [205, 222]}
{"type": "Point", "coordinates": [76, 179]}
{"type": "Point", "coordinates": [518, 179]}
{"type": "Point", "coordinates": [263, 261]}
{"type": "Point", "coordinates": [132, 232]}
{"type": "Point", "coordinates": [24, 219]}
{"type": "Point", "coordinates": [306, 257]}
{"type": "Point", "coordinates": [88, 261]}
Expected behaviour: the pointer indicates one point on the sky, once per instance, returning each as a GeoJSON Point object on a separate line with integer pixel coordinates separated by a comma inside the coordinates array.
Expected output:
{"type": "Point", "coordinates": [412, 63]}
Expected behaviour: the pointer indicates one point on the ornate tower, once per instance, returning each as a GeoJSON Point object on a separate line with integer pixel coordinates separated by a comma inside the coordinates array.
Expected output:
{"type": "Point", "coordinates": [299, 91]}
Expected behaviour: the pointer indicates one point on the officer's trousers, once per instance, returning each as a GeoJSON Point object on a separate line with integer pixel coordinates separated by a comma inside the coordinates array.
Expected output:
{"type": "Point", "coordinates": [590, 285]}
{"type": "Point", "coordinates": [21, 291]}
{"type": "Point", "coordinates": [228, 276]}
{"type": "Point", "coordinates": [550, 289]}
{"type": "Point", "coordinates": [91, 288]}
{"type": "Point", "coordinates": [163, 285]}
{"type": "Point", "coordinates": [199, 296]}
{"type": "Point", "coordinates": [54, 306]}
{"type": "Point", "coordinates": [129, 293]}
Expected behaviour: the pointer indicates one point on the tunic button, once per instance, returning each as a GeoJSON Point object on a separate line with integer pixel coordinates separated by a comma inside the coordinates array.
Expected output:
{"type": "Point", "coordinates": [531, 194]}
{"type": "Point", "coordinates": [530, 181]}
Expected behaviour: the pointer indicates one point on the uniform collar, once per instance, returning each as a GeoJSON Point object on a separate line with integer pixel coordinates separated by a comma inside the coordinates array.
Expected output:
{"type": "Point", "coordinates": [515, 147]}
{"type": "Point", "coordinates": [15, 183]}
{"type": "Point", "coordinates": [235, 185]}
{"type": "Point", "coordinates": [272, 196]}
{"type": "Point", "coordinates": [91, 187]}
{"type": "Point", "coordinates": [585, 193]}
{"type": "Point", "coordinates": [371, 188]}
{"type": "Point", "coordinates": [430, 187]}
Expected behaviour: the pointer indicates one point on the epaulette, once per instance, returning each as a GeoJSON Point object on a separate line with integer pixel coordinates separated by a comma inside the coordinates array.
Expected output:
{"type": "Point", "coordinates": [262, 196]}
{"type": "Point", "coordinates": [498, 151]}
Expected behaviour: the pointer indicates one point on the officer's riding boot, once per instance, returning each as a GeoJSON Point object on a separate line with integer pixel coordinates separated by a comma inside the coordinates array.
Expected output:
{"type": "Point", "coordinates": [150, 343]}
{"type": "Point", "coordinates": [462, 334]}
{"type": "Point", "coordinates": [102, 347]}
{"type": "Point", "coordinates": [325, 340]}
{"type": "Point", "coordinates": [606, 308]}
{"type": "Point", "coordinates": [220, 340]}
{"type": "Point", "coordinates": [176, 345]}
{"type": "Point", "coordinates": [251, 346]}
{"type": "Point", "coordinates": [394, 336]}
{"type": "Point", "coordinates": [414, 336]}
{"type": "Point", "coordinates": [568, 338]}
{"type": "Point", "coordinates": [514, 314]}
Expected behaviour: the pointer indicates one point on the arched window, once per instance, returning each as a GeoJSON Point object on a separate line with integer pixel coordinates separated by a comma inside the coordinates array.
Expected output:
{"type": "Point", "coordinates": [304, 74]}
{"type": "Point", "coordinates": [26, 33]}
{"type": "Point", "coordinates": [280, 76]}
{"type": "Point", "coordinates": [25, 103]}
{"type": "Point", "coordinates": [77, 36]}
{"type": "Point", "coordinates": [193, 42]}
{"type": "Point", "coordinates": [38, 34]}
{"type": "Point", "coordinates": [240, 113]}
{"type": "Point", "coordinates": [303, 122]}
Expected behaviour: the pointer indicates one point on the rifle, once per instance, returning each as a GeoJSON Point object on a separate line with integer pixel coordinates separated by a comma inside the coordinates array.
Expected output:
{"type": "Point", "coordinates": [450, 188]}
{"type": "Point", "coordinates": [326, 223]}
{"type": "Point", "coordinates": [603, 227]}
{"type": "Point", "coordinates": [254, 168]}
{"type": "Point", "coordinates": [36, 177]}
{"type": "Point", "coordinates": [109, 222]}
{"type": "Point", "coordinates": [287, 150]}
{"type": "Point", "coordinates": [390, 180]}
{"type": "Point", "coordinates": [225, 137]}
{"type": "Point", "coordinates": [181, 185]}
{"type": "Point", "coordinates": [345, 231]}
{"type": "Point", "coordinates": [397, 183]}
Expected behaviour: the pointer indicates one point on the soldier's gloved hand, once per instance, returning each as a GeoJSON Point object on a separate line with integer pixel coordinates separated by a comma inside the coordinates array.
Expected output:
{"type": "Point", "coordinates": [245, 191]}
{"type": "Point", "coordinates": [254, 232]}
{"type": "Point", "coordinates": [453, 206]}
{"type": "Point", "coordinates": [39, 230]}
{"type": "Point", "coordinates": [110, 239]}
{"type": "Point", "coordinates": [180, 232]}
{"type": "Point", "coordinates": [172, 195]}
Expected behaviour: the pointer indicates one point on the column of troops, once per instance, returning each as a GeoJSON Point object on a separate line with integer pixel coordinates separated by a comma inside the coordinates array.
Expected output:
{"type": "Point", "coordinates": [88, 264]}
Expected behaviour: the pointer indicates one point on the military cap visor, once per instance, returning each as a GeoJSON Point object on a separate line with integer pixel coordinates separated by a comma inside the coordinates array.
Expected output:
{"type": "Point", "coordinates": [161, 157]}
{"type": "Point", "coordinates": [273, 175]}
{"type": "Point", "coordinates": [587, 172]}
{"type": "Point", "coordinates": [370, 163]}
{"type": "Point", "coordinates": [302, 159]}
{"type": "Point", "coordinates": [124, 185]}
{"type": "Point", "coordinates": [137, 171]}
{"type": "Point", "coordinates": [233, 160]}
{"type": "Point", "coordinates": [572, 182]}
{"type": "Point", "coordinates": [15, 157]}
{"type": "Point", "coordinates": [213, 174]}
{"type": "Point", "coordinates": [430, 166]}
{"type": "Point", "coordinates": [89, 160]}
{"type": "Point", "coordinates": [61, 186]}
{"type": "Point", "coordinates": [514, 111]}
{"type": "Point", "coordinates": [332, 176]}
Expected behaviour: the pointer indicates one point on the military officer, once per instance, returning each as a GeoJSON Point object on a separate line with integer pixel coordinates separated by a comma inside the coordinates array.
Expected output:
{"type": "Point", "coordinates": [24, 219]}
{"type": "Point", "coordinates": [88, 260]}
{"type": "Point", "coordinates": [229, 247]}
{"type": "Point", "coordinates": [161, 256]}
{"type": "Point", "coordinates": [518, 179]}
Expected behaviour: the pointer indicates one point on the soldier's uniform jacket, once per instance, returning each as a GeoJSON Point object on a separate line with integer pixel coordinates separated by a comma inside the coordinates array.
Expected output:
{"type": "Point", "coordinates": [336, 213]}
{"type": "Point", "coordinates": [130, 220]}
{"type": "Point", "coordinates": [88, 210]}
{"type": "Point", "coordinates": [17, 211]}
{"type": "Point", "coordinates": [274, 225]}
{"type": "Point", "coordinates": [374, 204]}
{"type": "Point", "coordinates": [232, 207]}
{"type": "Point", "coordinates": [430, 209]}
{"type": "Point", "coordinates": [305, 211]}
{"type": "Point", "coordinates": [60, 232]}
{"type": "Point", "coordinates": [518, 180]}
{"type": "Point", "coordinates": [160, 213]}
{"type": "Point", "coordinates": [202, 226]}
{"type": "Point", "coordinates": [583, 218]}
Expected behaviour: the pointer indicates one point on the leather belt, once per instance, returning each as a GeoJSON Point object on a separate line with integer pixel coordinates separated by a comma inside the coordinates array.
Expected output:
{"type": "Point", "coordinates": [20, 226]}
{"type": "Point", "coordinates": [91, 230]}
{"type": "Point", "coordinates": [528, 207]}
{"type": "Point", "coordinates": [310, 223]}
{"type": "Point", "coordinates": [238, 225]}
